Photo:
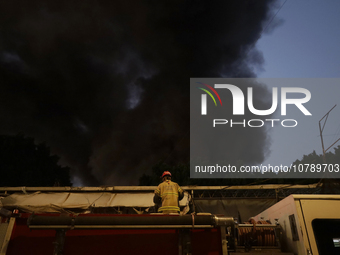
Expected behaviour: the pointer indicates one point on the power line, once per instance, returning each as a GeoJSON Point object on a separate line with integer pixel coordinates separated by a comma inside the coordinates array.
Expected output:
{"type": "Point", "coordinates": [337, 132]}
{"type": "Point", "coordinates": [329, 135]}
{"type": "Point", "coordinates": [270, 21]}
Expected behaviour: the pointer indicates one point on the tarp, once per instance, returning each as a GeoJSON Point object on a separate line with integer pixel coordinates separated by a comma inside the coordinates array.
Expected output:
{"type": "Point", "coordinates": [63, 201]}
{"type": "Point", "coordinates": [84, 202]}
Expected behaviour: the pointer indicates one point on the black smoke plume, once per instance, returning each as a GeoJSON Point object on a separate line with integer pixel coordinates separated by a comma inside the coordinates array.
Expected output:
{"type": "Point", "coordinates": [106, 83]}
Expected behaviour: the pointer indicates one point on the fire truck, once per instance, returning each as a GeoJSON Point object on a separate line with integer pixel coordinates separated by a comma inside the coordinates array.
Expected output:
{"type": "Point", "coordinates": [122, 220]}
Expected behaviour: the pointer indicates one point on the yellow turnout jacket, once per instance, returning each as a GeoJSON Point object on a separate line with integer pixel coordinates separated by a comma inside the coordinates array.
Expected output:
{"type": "Point", "coordinates": [169, 192]}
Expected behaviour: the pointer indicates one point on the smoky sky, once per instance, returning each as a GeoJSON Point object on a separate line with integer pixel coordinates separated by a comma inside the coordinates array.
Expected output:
{"type": "Point", "coordinates": [106, 83]}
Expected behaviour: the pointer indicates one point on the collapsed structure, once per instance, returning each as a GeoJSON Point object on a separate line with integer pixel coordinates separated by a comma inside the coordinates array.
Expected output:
{"type": "Point", "coordinates": [213, 220]}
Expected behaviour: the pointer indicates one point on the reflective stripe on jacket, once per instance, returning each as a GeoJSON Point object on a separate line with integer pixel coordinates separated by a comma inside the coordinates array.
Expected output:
{"type": "Point", "coordinates": [169, 191]}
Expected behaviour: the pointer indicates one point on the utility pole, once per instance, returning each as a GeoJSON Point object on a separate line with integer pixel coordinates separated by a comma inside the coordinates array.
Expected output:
{"type": "Point", "coordinates": [326, 183]}
{"type": "Point", "coordinates": [321, 130]}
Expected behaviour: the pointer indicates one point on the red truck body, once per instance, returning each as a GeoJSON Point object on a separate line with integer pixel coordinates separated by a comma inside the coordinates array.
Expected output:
{"type": "Point", "coordinates": [110, 241]}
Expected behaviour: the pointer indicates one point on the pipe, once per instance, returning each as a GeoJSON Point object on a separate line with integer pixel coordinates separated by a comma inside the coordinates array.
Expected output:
{"type": "Point", "coordinates": [223, 221]}
{"type": "Point", "coordinates": [119, 227]}
{"type": "Point", "coordinates": [185, 221]}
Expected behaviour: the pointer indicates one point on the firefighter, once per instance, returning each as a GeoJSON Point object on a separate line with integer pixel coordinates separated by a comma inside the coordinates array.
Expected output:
{"type": "Point", "coordinates": [168, 194]}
